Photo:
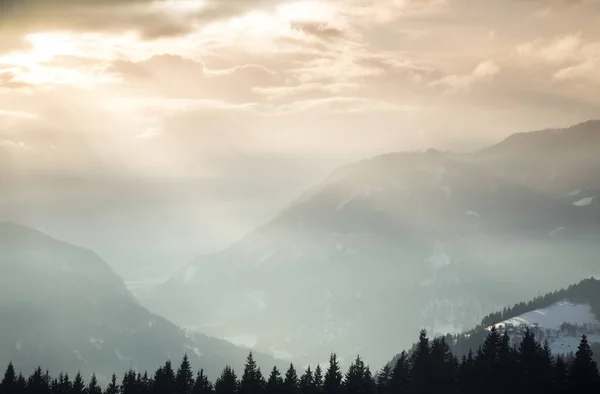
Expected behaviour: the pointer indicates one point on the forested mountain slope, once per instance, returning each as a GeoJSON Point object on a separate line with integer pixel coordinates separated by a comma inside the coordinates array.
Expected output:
{"type": "Point", "coordinates": [559, 318]}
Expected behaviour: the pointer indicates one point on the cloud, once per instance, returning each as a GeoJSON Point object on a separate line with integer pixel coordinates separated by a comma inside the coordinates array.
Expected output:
{"type": "Point", "coordinates": [456, 83]}
{"type": "Point", "coordinates": [150, 18]}
{"type": "Point", "coordinates": [177, 77]}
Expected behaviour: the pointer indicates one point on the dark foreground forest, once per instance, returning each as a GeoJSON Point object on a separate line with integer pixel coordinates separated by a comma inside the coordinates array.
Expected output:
{"type": "Point", "coordinates": [496, 367]}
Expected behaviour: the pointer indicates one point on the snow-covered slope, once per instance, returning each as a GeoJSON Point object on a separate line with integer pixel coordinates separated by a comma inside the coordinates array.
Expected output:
{"type": "Point", "coordinates": [554, 316]}
{"type": "Point", "coordinates": [561, 323]}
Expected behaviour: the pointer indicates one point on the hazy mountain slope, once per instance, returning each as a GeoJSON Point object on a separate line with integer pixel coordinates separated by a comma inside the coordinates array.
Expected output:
{"type": "Point", "coordinates": [390, 244]}
{"type": "Point", "coordinates": [62, 307]}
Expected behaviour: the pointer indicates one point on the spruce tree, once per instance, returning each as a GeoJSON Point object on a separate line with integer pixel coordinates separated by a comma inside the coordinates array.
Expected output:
{"type": "Point", "coordinates": [113, 387]}
{"type": "Point", "coordinates": [184, 380]}
{"type": "Point", "coordinates": [93, 387]}
{"type": "Point", "coordinates": [290, 382]}
{"type": "Point", "coordinates": [358, 379]}
{"type": "Point", "coordinates": [419, 362]}
{"type": "Point", "coordinates": [78, 385]}
{"type": "Point", "coordinates": [400, 375]}
{"type": "Point", "coordinates": [306, 382]}
{"type": "Point", "coordinates": [466, 375]}
{"type": "Point", "coordinates": [384, 380]}
{"type": "Point", "coordinates": [38, 382]}
{"type": "Point", "coordinates": [529, 362]}
{"type": "Point", "coordinates": [275, 382]}
{"type": "Point", "coordinates": [318, 380]}
{"type": "Point", "coordinates": [251, 381]}
{"type": "Point", "coordinates": [202, 385]}
{"type": "Point", "coordinates": [443, 366]}
{"type": "Point", "coordinates": [21, 386]}
{"type": "Point", "coordinates": [9, 382]}
{"type": "Point", "coordinates": [505, 364]}
{"type": "Point", "coordinates": [583, 373]}
{"type": "Point", "coordinates": [227, 383]}
{"type": "Point", "coordinates": [332, 382]}
{"type": "Point", "coordinates": [560, 381]}
{"type": "Point", "coordinates": [129, 383]}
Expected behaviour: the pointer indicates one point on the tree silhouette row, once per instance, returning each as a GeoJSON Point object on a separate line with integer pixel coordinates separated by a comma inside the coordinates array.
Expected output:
{"type": "Point", "coordinates": [430, 367]}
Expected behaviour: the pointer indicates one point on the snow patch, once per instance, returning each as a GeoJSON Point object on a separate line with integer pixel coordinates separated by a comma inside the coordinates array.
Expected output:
{"type": "Point", "coordinates": [575, 193]}
{"type": "Point", "coordinates": [554, 316]}
{"type": "Point", "coordinates": [584, 201]}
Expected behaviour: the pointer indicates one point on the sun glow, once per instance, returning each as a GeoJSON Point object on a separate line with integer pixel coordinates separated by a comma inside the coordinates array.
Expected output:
{"type": "Point", "coordinates": [306, 11]}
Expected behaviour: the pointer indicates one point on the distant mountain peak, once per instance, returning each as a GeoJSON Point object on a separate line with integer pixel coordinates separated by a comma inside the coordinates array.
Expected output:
{"type": "Point", "coordinates": [581, 135]}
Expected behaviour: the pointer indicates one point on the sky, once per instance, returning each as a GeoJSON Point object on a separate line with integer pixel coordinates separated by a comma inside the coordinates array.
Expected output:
{"type": "Point", "coordinates": [200, 119]}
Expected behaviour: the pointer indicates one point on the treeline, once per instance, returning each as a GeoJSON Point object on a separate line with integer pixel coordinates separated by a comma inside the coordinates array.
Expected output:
{"type": "Point", "coordinates": [588, 290]}
{"type": "Point", "coordinates": [431, 367]}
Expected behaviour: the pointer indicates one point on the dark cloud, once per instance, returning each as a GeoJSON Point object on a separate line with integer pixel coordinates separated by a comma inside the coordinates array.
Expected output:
{"type": "Point", "coordinates": [144, 16]}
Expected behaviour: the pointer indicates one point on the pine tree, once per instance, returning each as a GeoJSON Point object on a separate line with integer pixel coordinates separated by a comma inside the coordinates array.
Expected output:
{"type": "Point", "coordinates": [318, 380]}
{"type": "Point", "coordinates": [583, 374]}
{"type": "Point", "coordinates": [38, 382]}
{"type": "Point", "coordinates": [443, 366]}
{"type": "Point", "coordinates": [306, 382]}
{"type": "Point", "coordinates": [332, 383]}
{"type": "Point", "coordinates": [78, 385]}
{"type": "Point", "coordinates": [113, 387]}
{"type": "Point", "coordinates": [93, 387]}
{"type": "Point", "coordinates": [128, 383]}
{"type": "Point", "coordinates": [384, 380]}
{"type": "Point", "coordinates": [290, 383]}
{"type": "Point", "coordinates": [505, 364]}
{"type": "Point", "coordinates": [400, 375]}
{"type": "Point", "coordinates": [143, 383]}
{"type": "Point", "coordinates": [202, 385]}
{"type": "Point", "coordinates": [419, 362]}
{"type": "Point", "coordinates": [466, 375]}
{"type": "Point", "coordinates": [274, 383]}
{"type": "Point", "coordinates": [21, 386]}
{"type": "Point", "coordinates": [560, 381]}
{"type": "Point", "coordinates": [252, 379]}
{"type": "Point", "coordinates": [529, 362]}
{"type": "Point", "coordinates": [358, 379]}
{"type": "Point", "coordinates": [227, 383]}
{"type": "Point", "coordinates": [9, 382]}
{"type": "Point", "coordinates": [184, 380]}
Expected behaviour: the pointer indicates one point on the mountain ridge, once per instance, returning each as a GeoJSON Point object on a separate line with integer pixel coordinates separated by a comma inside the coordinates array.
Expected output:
{"type": "Point", "coordinates": [429, 228]}
{"type": "Point", "coordinates": [62, 306]}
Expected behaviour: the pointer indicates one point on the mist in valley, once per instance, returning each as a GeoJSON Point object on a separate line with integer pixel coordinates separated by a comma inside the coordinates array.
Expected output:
{"type": "Point", "coordinates": [294, 178]}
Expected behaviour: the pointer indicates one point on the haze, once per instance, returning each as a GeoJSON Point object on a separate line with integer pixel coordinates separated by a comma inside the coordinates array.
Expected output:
{"type": "Point", "coordinates": [296, 177]}
{"type": "Point", "coordinates": [187, 123]}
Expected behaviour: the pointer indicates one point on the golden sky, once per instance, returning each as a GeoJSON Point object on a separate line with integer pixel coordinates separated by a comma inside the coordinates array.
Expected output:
{"type": "Point", "coordinates": [180, 125]}
{"type": "Point", "coordinates": [174, 87]}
